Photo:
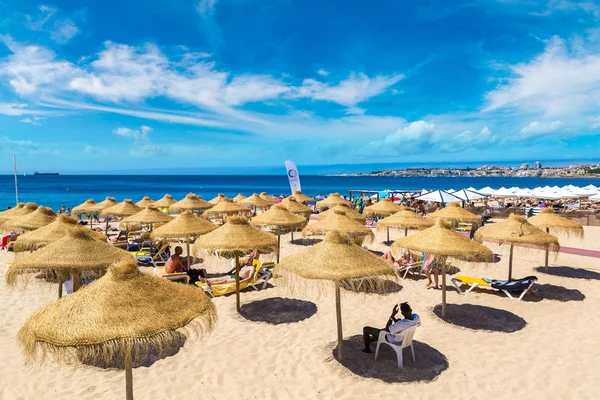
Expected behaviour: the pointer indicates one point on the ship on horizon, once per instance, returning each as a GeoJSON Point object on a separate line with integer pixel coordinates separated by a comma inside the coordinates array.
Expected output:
{"type": "Point", "coordinates": [36, 173]}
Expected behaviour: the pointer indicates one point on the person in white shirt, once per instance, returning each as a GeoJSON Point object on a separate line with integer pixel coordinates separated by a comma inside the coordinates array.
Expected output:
{"type": "Point", "coordinates": [394, 325]}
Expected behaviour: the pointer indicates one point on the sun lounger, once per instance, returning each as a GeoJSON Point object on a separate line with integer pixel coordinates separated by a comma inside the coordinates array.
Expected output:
{"type": "Point", "coordinates": [261, 276]}
{"type": "Point", "coordinates": [175, 277]}
{"type": "Point", "coordinates": [516, 285]}
{"type": "Point", "coordinates": [146, 257]}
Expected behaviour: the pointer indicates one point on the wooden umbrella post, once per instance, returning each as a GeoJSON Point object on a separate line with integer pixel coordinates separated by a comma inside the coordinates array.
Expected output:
{"type": "Point", "coordinates": [75, 280]}
{"type": "Point", "coordinates": [405, 232]}
{"type": "Point", "coordinates": [510, 262]}
{"type": "Point", "coordinates": [187, 249]}
{"type": "Point", "coordinates": [278, 243]}
{"type": "Point", "coordinates": [388, 233]}
{"type": "Point", "coordinates": [443, 261]}
{"type": "Point", "coordinates": [128, 375]}
{"type": "Point", "coordinates": [547, 254]}
{"type": "Point", "coordinates": [91, 221]}
{"type": "Point", "coordinates": [338, 311]}
{"type": "Point", "coordinates": [237, 282]}
{"type": "Point", "coordinates": [60, 287]}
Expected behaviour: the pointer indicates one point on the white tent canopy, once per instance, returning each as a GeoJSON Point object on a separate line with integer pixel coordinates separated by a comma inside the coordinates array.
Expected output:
{"type": "Point", "coordinates": [595, 197]}
{"type": "Point", "coordinates": [439, 196]}
{"type": "Point", "coordinates": [486, 190]}
{"type": "Point", "coordinates": [468, 195]}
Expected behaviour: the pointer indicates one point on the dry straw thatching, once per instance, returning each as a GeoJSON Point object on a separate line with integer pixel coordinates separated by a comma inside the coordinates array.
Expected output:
{"type": "Point", "coordinates": [302, 198]}
{"type": "Point", "coordinates": [17, 212]}
{"type": "Point", "coordinates": [226, 207]}
{"type": "Point", "coordinates": [106, 203]}
{"type": "Point", "coordinates": [265, 196]}
{"type": "Point", "coordinates": [334, 260]}
{"type": "Point", "coordinates": [332, 200]}
{"type": "Point", "coordinates": [123, 209]}
{"type": "Point", "coordinates": [165, 202]}
{"type": "Point", "coordinates": [547, 219]}
{"type": "Point", "coordinates": [124, 316]}
{"type": "Point", "coordinates": [453, 213]}
{"type": "Point", "coordinates": [191, 202]}
{"type": "Point", "coordinates": [8, 212]}
{"type": "Point", "coordinates": [185, 225]}
{"type": "Point", "coordinates": [50, 233]}
{"type": "Point", "coordinates": [338, 221]}
{"type": "Point", "coordinates": [86, 207]}
{"type": "Point", "coordinates": [281, 219]}
{"type": "Point", "coordinates": [220, 197]}
{"type": "Point", "coordinates": [239, 197]}
{"type": "Point", "coordinates": [145, 202]}
{"type": "Point", "coordinates": [382, 208]}
{"type": "Point", "coordinates": [42, 216]}
{"type": "Point", "coordinates": [256, 201]}
{"type": "Point", "coordinates": [293, 206]}
{"type": "Point", "coordinates": [404, 219]}
{"type": "Point", "coordinates": [347, 211]}
{"type": "Point", "coordinates": [148, 215]}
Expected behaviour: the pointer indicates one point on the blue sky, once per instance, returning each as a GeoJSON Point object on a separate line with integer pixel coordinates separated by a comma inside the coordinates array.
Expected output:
{"type": "Point", "coordinates": [128, 85]}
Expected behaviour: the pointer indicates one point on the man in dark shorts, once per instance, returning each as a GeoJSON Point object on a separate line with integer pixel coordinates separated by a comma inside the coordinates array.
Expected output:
{"type": "Point", "coordinates": [176, 263]}
{"type": "Point", "coordinates": [394, 325]}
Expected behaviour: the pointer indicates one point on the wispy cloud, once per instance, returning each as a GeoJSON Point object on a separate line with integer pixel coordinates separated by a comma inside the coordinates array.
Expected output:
{"type": "Point", "coordinates": [61, 30]}
{"type": "Point", "coordinates": [9, 146]}
{"type": "Point", "coordinates": [206, 8]}
{"type": "Point", "coordinates": [32, 120]}
{"type": "Point", "coordinates": [536, 128]}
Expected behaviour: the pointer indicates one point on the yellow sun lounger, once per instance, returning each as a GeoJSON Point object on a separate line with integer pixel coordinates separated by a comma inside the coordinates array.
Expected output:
{"type": "Point", "coordinates": [261, 275]}
{"type": "Point", "coordinates": [517, 285]}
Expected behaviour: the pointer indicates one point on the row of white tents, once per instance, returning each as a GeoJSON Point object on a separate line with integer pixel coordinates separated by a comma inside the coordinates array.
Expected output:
{"type": "Point", "coordinates": [590, 192]}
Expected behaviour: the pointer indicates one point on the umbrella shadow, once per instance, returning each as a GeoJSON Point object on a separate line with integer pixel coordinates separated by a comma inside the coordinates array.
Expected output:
{"type": "Point", "coordinates": [388, 242]}
{"type": "Point", "coordinates": [305, 242]}
{"type": "Point", "coordinates": [553, 292]}
{"type": "Point", "coordinates": [144, 354]}
{"type": "Point", "coordinates": [372, 286]}
{"type": "Point", "coordinates": [278, 310]}
{"type": "Point", "coordinates": [570, 272]}
{"type": "Point", "coordinates": [480, 318]}
{"type": "Point", "coordinates": [430, 363]}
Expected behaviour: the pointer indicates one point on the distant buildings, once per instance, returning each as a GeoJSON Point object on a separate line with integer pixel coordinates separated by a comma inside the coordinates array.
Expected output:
{"type": "Point", "coordinates": [525, 166]}
{"type": "Point", "coordinates": [538, 165]}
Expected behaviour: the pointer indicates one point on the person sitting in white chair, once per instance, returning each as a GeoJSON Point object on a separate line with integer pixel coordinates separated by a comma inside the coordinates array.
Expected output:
{"type": "Point", "coordinates": [394, 326]}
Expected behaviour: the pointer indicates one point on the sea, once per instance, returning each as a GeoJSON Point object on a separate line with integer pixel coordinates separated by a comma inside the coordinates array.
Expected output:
{"type": "Point", "coordinates": [71, 190]}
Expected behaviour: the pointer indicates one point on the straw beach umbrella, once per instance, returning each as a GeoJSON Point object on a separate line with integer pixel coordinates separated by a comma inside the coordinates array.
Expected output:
{"type": "Point", "coordinates": [256, 201]}
{"type": "Point", "coordinates": [124, 209]}
{"type": "Point", "coordinates": [383, 208]}
{"type": "Point", "coordinates": [268, 198]}
{"type": "Point", "coordinates": [517, 231]}
{"type": "Point", "coordinates": [8, 212]}
{"type": "Point", "coordinates": [332, 200]}
{"type": "Point", "coordinates": [295, 207]}
{"type": "Point", "coordinates": [338, 221]}
{"type": "Point", "coordinates": [334, 260]}
{"type": "Point", "coordinates": [238, 198]}
{"type": "Point", "coordinates": [236, 237]}
{"type": "Point", "coordinates": [18, 212]}
{"type": "Point", "coordinates": [404, 219]}
{"type": "Point", "coordinates": [124, 317]}
{"type": "Point", "coordinates": [148, 216]}
{"type": "Point", "coordinates": [347, 211]}
{"type": "Point", "coordinates": [444, 242]}
{"type": "Point", "coordinates": [42, 216]}
{"type": "Point", "coordinates": [103, 205]}
{"type": "Point", "coordinates": [85, 208]}
{"type": "Point", "coordinates": [302, 198]}
{"type": "Point", "coordinates": [547, 220]}
{"type": "Point", "coordinates": [281, 219]}
{"type": "Point", "coordinates": [191, 202]}
{"type": "Point", "coordinates": [453, 213]}
{"type": "Point", "coordinates": [220, 197]}
{"type": "Point", "coordinates": [75, 252]}
{"type": "Point", "coordinates": [165, 202]}
{"type": "Point", "coordinates": [187, 226]}
{"type": "Point", "coordinates": [225, 208]}
{"type": "Point", "coordinates": [145, 202]}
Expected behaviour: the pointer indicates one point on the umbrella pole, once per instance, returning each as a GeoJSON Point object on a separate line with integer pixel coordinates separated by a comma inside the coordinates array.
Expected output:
{"type": "Point", "coordinates": [292, 235]}
{"type": "Point", "coordinates": [75, 280]}
{"type": "Point", "coordinates": [338, 312]}
{"type": "Point", "coordinates": [388, 233]}
{"type": "Point", "coordinates": [443, 261]}
{"type": "Point", "coordinates": [278, 244]}
{"type": "Point", "coordinates": [237, 282]}
{"type": "Point", "coordinates": [510, 260]}
{"type": "Point", "coordinates": [547, 254]}
{"type": "Point", "coordinates": [91, 221]}
{"type": "Point", "coordinates": [405, 232]}
{"type": "Point", "coordinates": [128, 376]}
{"type": "Point", "coordinates": [187, 249]}
{"type": "Point", "coordinates": [60, 287]}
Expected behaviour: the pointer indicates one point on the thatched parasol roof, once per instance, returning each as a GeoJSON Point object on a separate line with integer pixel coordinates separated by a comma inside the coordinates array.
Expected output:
{"type": "Point", "coordinates": [256, 201]}
{"type": "Point", "coordinates": [190, 202]}
{"type": "Point", "coordinates": [383, 207]}
{"type": "Point", "coordinates": [227, 207]}
{"type": "Point", "coordinates": [266, 197]}
{"type": "Point", "coordinates": [123, 209]}
{"type": "Point", "coordinates": [279, 216]}
{"type": "Point", "coordinates": [404, 219]}
{"type": "Point", "coordinates": [453, 213]}
{"type": "Point", "coordinates": [185, 225]}
{"type": "Point", "coordinates": [239, 197]}
{"type": "Point", "coordinates": [237, 236]}
{"type": "Point", "coordinates": [347, 211]}
{"type": "Point", "coordinates": [148, 215]}
{"type": "Point", "coordinates": [78, 250]}
{"type": "Point", "coordinates": [145, 202]}
{"type": "Point", "coordinates": [293, 206]}
{"type": "Point", "coordinates": [302, 198]}
{"type": "Point", "coordinates": [332, 200]}
{"type": "Point", "coordinates": [103, 205]}
{"type": "Point", "coordinates": [220, 197]}
{"type": "Point", "coordinates": [441, 240]}
{"type": "Point", "coordinates": [17, 212]}
{"type": "Point", "coordinates": [8, 212]}
{"type": "Point", "coordinates": [123, 312]}
{"type": "Point", "coordinates": [42, 216]}
{"type": "Point", "coordinates": [516, 230]}
{"type": "Point", "coordinates": [165, 202]}
{"type": "Point", "coordinates": [50, 233]}
{"type": "Point", "coordinates": [85, 208]}
{"type": "Point", "coordinates": [547, 219]}
{"type": "Point", "coordinates": [338, 221]}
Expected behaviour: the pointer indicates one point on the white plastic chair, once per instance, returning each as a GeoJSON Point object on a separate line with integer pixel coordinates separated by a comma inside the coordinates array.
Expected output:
{"type": "Point", "coordinates": [407, 341]}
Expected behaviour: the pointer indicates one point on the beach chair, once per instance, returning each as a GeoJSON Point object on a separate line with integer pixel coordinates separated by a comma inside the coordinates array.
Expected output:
{"type": "Point", "coordinates": [417, 266]}
{"type": "Point", "coordinates": [174, 277]}
{"type": "Point", "coordinates": [516, 285]}
{"type": "Point", "coordinates": [7, 243]}
{"type": "Point", "coordinates": [406, 337]}
{"type": "Point", "coordinates": [258, 281]}
{"type": "Point", "coordinates": [147, 257]}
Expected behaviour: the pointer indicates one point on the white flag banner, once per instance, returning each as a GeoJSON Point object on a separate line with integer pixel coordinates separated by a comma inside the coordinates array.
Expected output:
{"type": "Point", "coordinates": [293, 176]}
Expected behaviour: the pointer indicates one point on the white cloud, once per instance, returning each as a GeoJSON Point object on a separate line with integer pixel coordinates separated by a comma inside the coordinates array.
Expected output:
{"type": "Point", "coordinates": [61, 30]}
{"type": "Point", "coordinates": [32, 120]}
{"type": "Point", "coordinates": [91, 150]}
{"type": "Point", "coordinates": [135, 134]}
{"type": "Point", "coordinates": [323, 72]}
{"type": "Point", "coordinates": [594, 121]}
{"type": "Point", "coordinates": [466, 140]}
{"type": "Point", "coordinates": [536, 128]}
{"type": "Point", "coordinates": [13, 109]}
{"type": "Point", "coordinates": [149, 150]}
{"type": "Point", "coordinates": [23, 147]}
{"type": "Point", "coordinates": [64, 30]}
{"type": "Point", "coordinates": [549, 7]}
{"type": "Point", "coordinates": [206, 8]}
{"type": "Point", "coordinates": [416, 135]}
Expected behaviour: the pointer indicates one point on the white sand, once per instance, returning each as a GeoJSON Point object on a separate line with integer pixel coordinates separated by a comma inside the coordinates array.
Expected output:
{"type": "Point", "coordinates": [554, 356]}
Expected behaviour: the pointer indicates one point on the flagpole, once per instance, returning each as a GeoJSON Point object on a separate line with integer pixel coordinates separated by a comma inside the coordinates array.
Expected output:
{"type": "Point", "coordinates": [16, 182]}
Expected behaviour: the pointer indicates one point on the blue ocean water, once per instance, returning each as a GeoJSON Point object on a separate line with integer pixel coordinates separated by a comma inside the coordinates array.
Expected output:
{"type": "Point", "coordinates": [71, 190]}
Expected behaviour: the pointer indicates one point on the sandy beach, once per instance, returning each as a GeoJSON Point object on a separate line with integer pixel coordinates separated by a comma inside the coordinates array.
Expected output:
{"type": "Point", "coordinates": [545, 346]}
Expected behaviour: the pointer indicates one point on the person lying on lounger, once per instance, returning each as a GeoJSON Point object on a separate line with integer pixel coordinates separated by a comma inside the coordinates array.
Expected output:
{"type": "Point", "coordinates": [394, 325]}
{"type": "Point", "coordinates": [246, 272]}
{"type": "Point", "coordinates": [397, 263]}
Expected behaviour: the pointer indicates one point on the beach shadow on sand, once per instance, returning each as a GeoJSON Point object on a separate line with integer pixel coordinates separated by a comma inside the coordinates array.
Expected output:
{"type": "Point", "coordinates": [480, 318]}
{"type": "Point", "coordinates": [278, 310]}
{"type": "Point", "coordinates": [305, 242]}
{"type": "Point", "coordinates": [554, 292]}
{"type": "Point", "coordinates": [570, 272]}
{"type": "Point", "coordinates": [148, 354]}
{"type": "Point", "coordinates": [430, 363]}
{"type": "Point", "coordinates": [375, 286]}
